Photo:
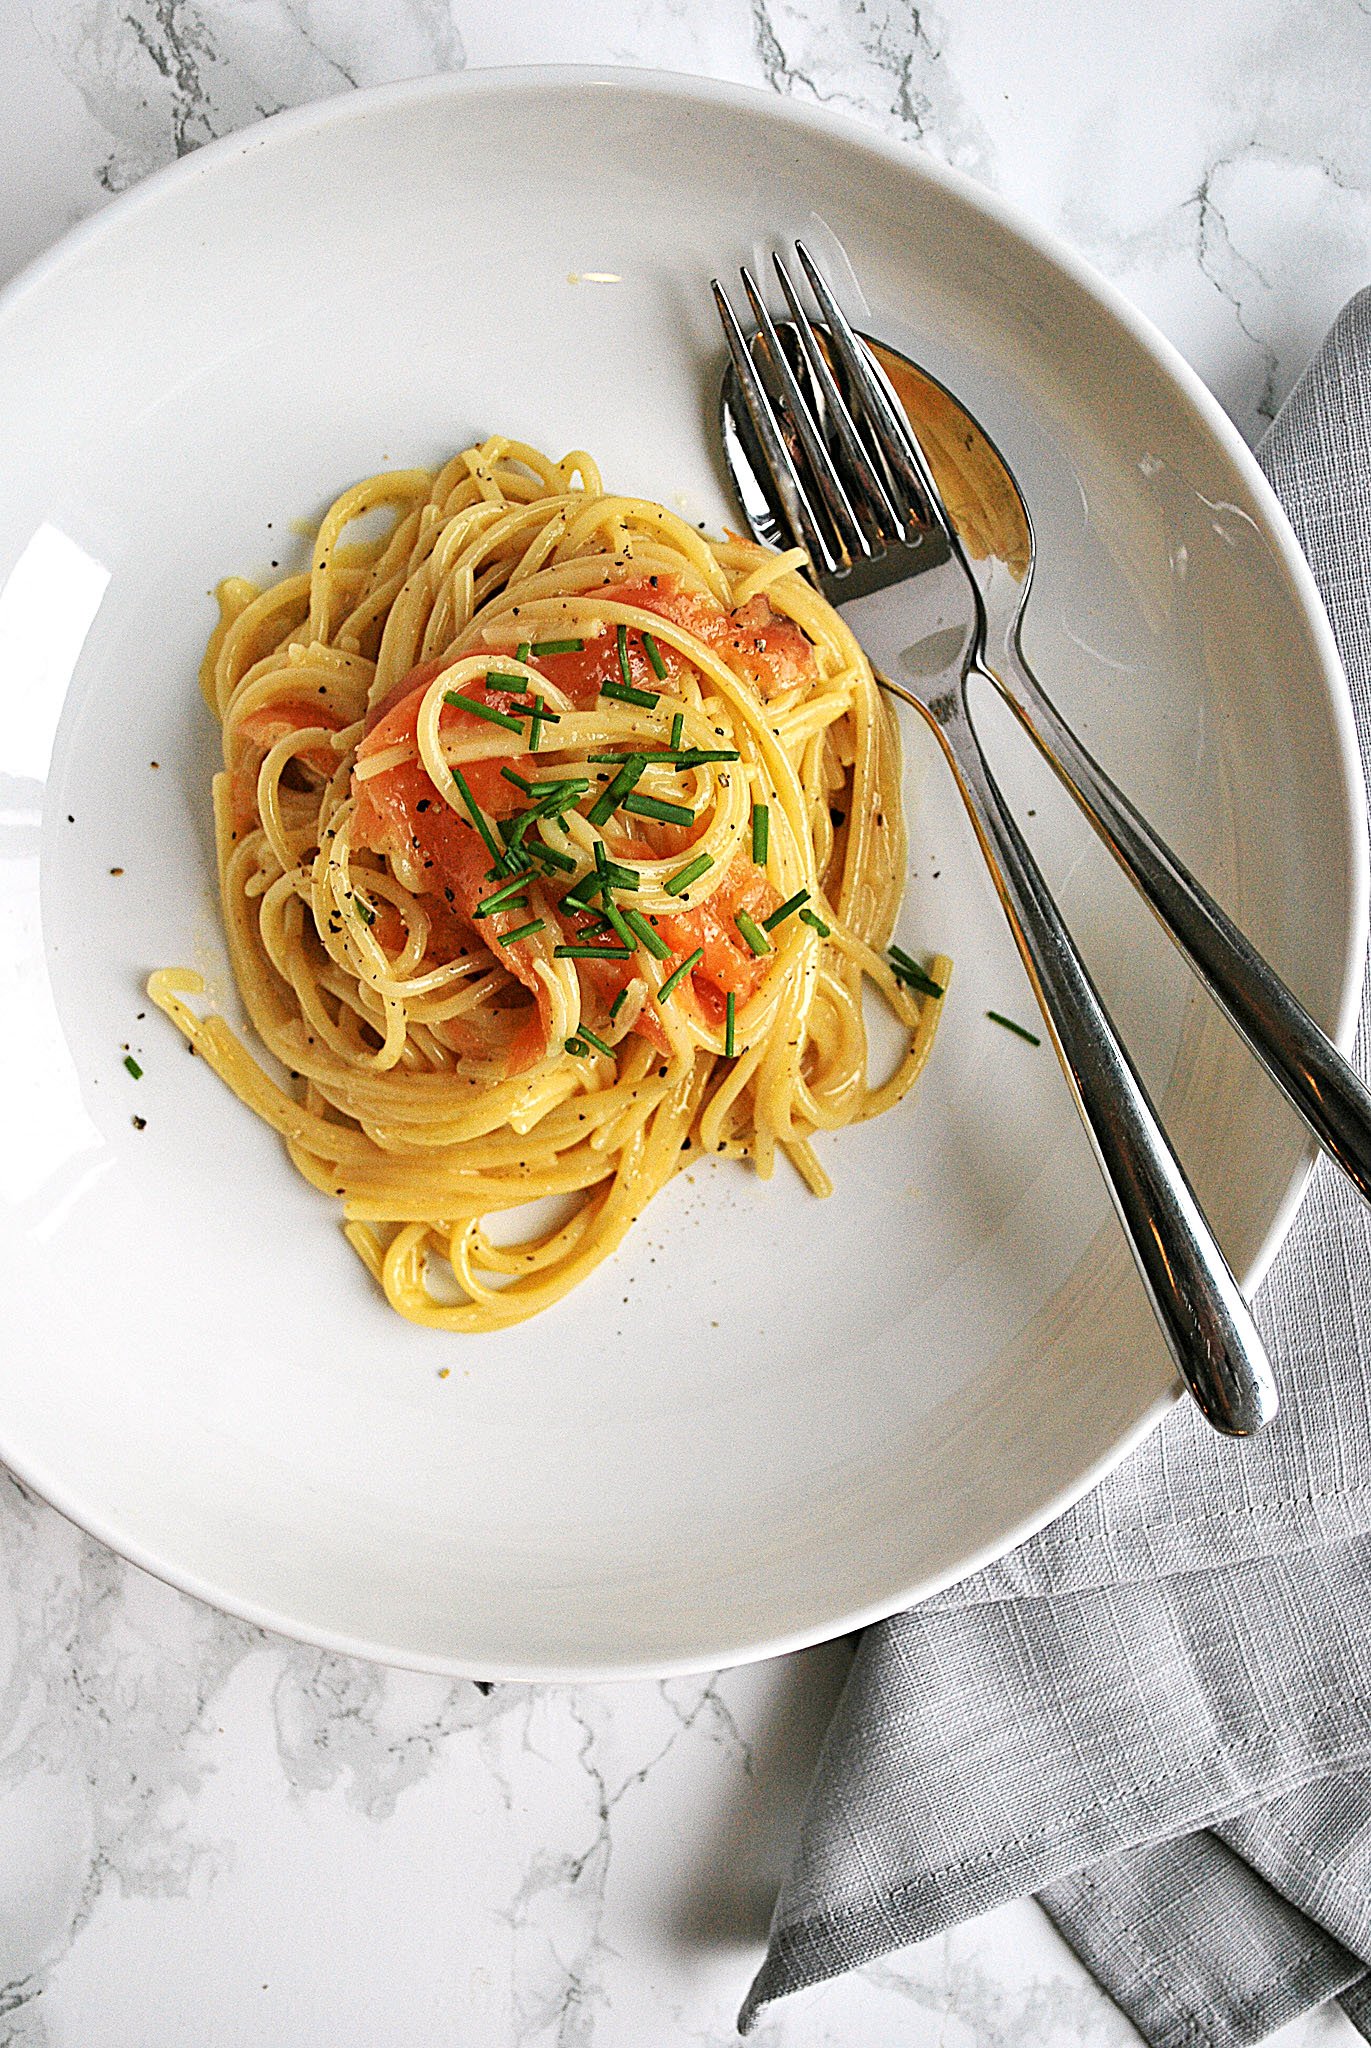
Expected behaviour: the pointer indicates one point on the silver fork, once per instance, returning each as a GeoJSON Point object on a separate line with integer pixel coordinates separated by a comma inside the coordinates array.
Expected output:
{"type": "Point", "coordinates": [869, 514]}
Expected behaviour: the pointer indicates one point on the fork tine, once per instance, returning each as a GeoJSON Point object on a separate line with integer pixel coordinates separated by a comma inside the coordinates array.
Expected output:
{"type": "Point", "coordinates": [894, 437]}
{"type": "Point", "coordinates": [868, 477]}
{"type": "Point", "coordinates": [836, 502]}
{"type": "Point", "coordinates": [799, 512]}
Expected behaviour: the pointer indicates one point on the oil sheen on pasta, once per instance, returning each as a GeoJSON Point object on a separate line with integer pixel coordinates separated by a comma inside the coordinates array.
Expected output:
{"type": "Point", "coordinates": [512, 956]}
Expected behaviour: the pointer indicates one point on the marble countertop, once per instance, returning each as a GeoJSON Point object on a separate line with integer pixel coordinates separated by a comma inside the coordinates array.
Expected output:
{"type": "Point", "coordinates": [216, 1839]}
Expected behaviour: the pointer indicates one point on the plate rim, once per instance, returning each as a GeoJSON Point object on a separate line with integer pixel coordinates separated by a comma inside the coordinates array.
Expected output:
{"type": "Point", "coordinates": [1016, 223]}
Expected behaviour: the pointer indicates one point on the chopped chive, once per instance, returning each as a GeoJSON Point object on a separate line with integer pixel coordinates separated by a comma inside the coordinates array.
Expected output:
{"type": "Point", "coordinates": [692, 872]}
{"type": "Point", "coordinates": [558, 647]}
{"type": "Point", "coordinates": [652, 807]}
{"type": "Point", "coordinates": [761, 833]}
{"type": "Point", "coordinates": [535, 724]}
{"type": "Point", "coordinates": [577, 1046]}
{"type": "Point", "coordinates": [596, 930]}
{"type": "Point", "coordinates": [538, 705]}
{"type": "Point", "coordinates": [691, 960]}
{"type": "Point", "coordinates": [551, 857]}
{"type": "Point", "coordinates": [512, 831]}
{"type": "Point", "coordinates": [620, 877]}
{"type": "Point", "coordinates": [522, 651]}
{"type": "Point", "coordinates": [784, 910]}
{"type": "Point", "coordinates": [501, 897]}
{"type": "Point", "coordinates": [568, 783]}
{"type": "Point", "coordinates": [622, 931]}
{"type": "Point", "coordinates": [618, 1003]}
{"type": "Point", "coordinates": [525, 931]}
{"type": "Point", "coordinates": [908, 970]}
{"type": "Point", "coordinates": [495, 679]}
{"type": "Point", "coordinates": [591, 953]}
{"type": "Point", "coordinates": [511, 775]}
{"type": "Point", "coordinates": [363, 909]}
{"type": "Point", "coordinates": [815, 923]}
{"type": "Point", "coordinates": [758, 941]}
{"type": "Point", "coordinates": [598, 1043]}
{"type": "Point", "coordinates": [695, 757]}
{"type": "Point", "coordinates": [678, 722]}
{"type": "Point", "coordinates": [621, 639]}
{"type": "Point", "coordinates": [1010, 1025]}
{"type": "Point", "coordinates": [625, 693]}
{"type": "Point", "coordinates": [581, 894]}
{"type": "Point", "coordinates": [486, 711]}
{"type": "Point", "coordinates": [654, 655]}
{"type": "Point", "coordinates": [478, 817]}
{"type": "Point", "coordinates": [604, 806]}
{"type": "Point", "coordinates": [646, 933]}
{"type": "Point", "coordinates": [131, 1063]}
{"type": "Point", "coordinates": [730, 1017]}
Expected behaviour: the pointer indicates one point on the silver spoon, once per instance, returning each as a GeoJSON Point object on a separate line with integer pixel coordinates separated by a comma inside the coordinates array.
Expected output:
{"type": "Point", "coordinates": [987, 510]}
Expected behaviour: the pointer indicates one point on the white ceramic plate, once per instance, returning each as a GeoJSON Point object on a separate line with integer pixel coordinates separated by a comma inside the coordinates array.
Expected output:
{"type": "Point", "coordinates": [769, 1418]}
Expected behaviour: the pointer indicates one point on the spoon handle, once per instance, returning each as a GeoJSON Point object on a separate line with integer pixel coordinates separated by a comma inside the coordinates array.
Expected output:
{"type": "Point", "coordinates": [1207, 1325]}
{"type": "Point", "coordinates": [1300, 1058]}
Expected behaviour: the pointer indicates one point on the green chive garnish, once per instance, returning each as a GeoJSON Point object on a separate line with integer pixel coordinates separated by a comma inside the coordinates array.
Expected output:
{"type": "Point", "coordinates": [758, 941]}
{"type": "Point", "coordinates": [815, 923]}
{"type": "Point", "coordinates": [621, 637]}
{"type": "Point", "coordinates": [691, 960]}
{"type": "Point", "coordinates": [522, 651]}
{"type": "Point", "coordinates": [779, 915]}
{"type": "Point", "coordinates": [604, 806]}
{"type": "Point", "coordinates": [654, 655]}
{"type": "Point", "coordinates": [622, 931]}
{"type": "Point", "coordinates": [363, 909]}
{"type": "Point", "coordinates": [486, 711]}
{"type": "Point", "coordinates": [1010, 1025]}
{"type": "Point", "coordinates": [563, 785]}
{"type": "Point", "coordinates": [692, 872]}
{"type": "Point", "coordinates": [550, 857]}
{"type": "Point", "coordinates": [583, 893]}
{"type": "Point", "coordinates": [625, 693]}
{"type": "Point", "coordinates": [678, 722]}
{"type": "Point", "coordinates": [478, 817]}
{"type": "Point", "coordinates": [511, 776]}
{"type": "Point", "coordinates": [761, 833]}
{"type": "Point", "coordinates": [502, 898]}
{"type": "Point", "coordinates": [577, 1047]}
{"type": "Point", "coordinates": [908, 970]}
{"type": "Point", "coordinates": [598, 1043]}
{"type": "Point", "coordinates": [494, 680]}
{"type": "Point", "coordinates": [618, 1004]}
{"type": "Point", "coordinates": [618, 877]}
{"type": "Point", "coordinates": [131, 1063]}
{"type": "Point", "coordinates": [558, 647]}
{"type": "Point", "coordinates": [537, 706]}
{"type": "Point", "coordinates": [535, 725]}
{"type": "Point", "coordinates": [695, 757]}
{"type": "Point", "coordinates": [652, 807]}
{"type": "Point", "coordinates": [730, 1016]}
{"type": "Point", "coordinates": [525, 931]}
{"type": "Point", "coordinates": [646, 933]}
{"type": "Point", "coordinates": [591, 953]}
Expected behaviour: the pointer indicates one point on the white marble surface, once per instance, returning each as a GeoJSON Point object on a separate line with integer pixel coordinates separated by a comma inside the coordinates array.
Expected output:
{"type": "Point", "coordinates": [217, 1839]}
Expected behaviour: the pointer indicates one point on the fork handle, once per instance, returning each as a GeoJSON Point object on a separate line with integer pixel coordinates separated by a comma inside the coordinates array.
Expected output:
{"type": "Point", "coordinates": [1300, 1058]}
{"type": "Point", "coordinates": [1199, 1305]}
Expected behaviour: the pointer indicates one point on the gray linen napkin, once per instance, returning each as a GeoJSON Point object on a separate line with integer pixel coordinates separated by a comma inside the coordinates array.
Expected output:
{"type": "Point", "coordinates": [1156, 1715]}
